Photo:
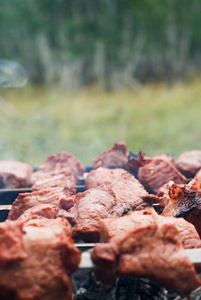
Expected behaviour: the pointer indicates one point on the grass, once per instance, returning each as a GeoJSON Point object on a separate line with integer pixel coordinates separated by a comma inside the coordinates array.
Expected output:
{"type": "Point", "coordinates": [155, 118]}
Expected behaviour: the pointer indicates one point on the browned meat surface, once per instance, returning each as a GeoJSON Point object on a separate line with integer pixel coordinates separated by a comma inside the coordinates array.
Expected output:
{"type": "Point", "coordinates": [53, 196]}
{"type": "Point", "coordinates": [110, 228]}
{"type": "Point", "coordinates": [157, 173]}
{"type": "Point", "coordinates": [129, 195]}
{"type": "Point", "coordinates": [103, 176]}
{"type": "Point", "coordinates": [15, 174]}
{"type": "Point", "coordinates": [44, 270]}
{"type": "Point", "coordinates": [60, 163]}
{"type": "Point", "coordinates": [60, 180]}
{"type": "Point", "coordinates": [135, 161]}
{"type": "Point", "coordinates": [111, 200]}
{"type": "Point", "coordinates": [189, 162]}
{"type": "Point", "coordinates": [150, 251]}
{"type": "Point", "coordinates": [91, 206]}
{"type": "Point", "coordinates": [48, 211]}
{"type": "Point", "coordinates": [185, 201]}
{"type": "Point", "coordinates": [114, 157]}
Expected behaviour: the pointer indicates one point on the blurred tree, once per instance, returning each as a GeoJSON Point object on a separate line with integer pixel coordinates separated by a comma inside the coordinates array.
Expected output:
{"type": "Point", "coordinates": [110, 43]}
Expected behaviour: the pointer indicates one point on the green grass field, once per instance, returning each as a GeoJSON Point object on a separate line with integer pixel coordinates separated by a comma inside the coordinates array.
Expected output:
{"type": "Point", "coordinates": [37, 122]}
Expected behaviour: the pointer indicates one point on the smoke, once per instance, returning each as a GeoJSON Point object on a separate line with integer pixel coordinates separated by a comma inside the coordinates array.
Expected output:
{"type": "Point", "coordinates": [12, 74]}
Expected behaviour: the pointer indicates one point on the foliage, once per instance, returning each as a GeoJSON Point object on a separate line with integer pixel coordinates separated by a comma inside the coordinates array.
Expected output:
{"type": "Point", "coordinates": [110, 43]}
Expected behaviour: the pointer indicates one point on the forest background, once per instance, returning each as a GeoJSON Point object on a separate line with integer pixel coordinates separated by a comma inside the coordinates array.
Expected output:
{"type": "Point", "coordinates": [98, 72]}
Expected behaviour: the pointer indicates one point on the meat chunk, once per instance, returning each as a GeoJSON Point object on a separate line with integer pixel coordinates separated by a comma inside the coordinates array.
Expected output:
{"type": "Point", "coordinates": [48, 211]}
{"type": "Point", "coordinates": [54, 196]}
{"type": "Point", "coordinates": [60, 163]}
{"type": "Point", "coordinates": [110, 228]}
{"type": "Point", "coordinates": [59, 180]}
{"type": "Point", "coordinates": [91, 206]}
{"type": "Point", "coordinates": [135, 161]}
{"type": "Point", "coordinates": [103, 176]}
{"type": "Point", "coordinates": [185, 201]}
{"type": "Point", "coordinates": [15, 174]}
{"type": "Point", "coordinates": [44, 271]}
{"type": "Point", "coordinates": [150, 251]}
{"type": "Point", "coordinates": [157, 173]}
{"type": "Point", "coordinates": [129, 195]}
{"type": "Point", "coordinates": [114, 157]}
{"type": "Point", "coordinates": [111, 200]}
{"type": "Point", "coordinates": [189, 162]}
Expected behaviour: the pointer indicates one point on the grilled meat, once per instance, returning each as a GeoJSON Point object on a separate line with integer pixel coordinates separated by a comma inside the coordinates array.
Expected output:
{"type": "Point", "coordinates": [55, 196]}
{"type": "Point", "coordinates": [114, 157]}
{"type": "Point", "coordinates": [103, 176]}
{"type": "Point", "coordinates": [48, 258]}
{"type": "Point", "coordinates": [60, 163]}
{"type": "Point", "coordinates": [189, 162]}
{"type": "Point", "coordinates": [158, 172]}
{"type": "Point", "coordinates": [151, 251]}
{"type": "Point", "coordinates": [110, 200]}
{"type": "Point", "coordinates": [59, 180]}
{"type": "Point", "coordinates": [48, 211]}
{"type": "Point", "coordinates": [110, 228]}
{"type": "Point", "coordinates": [15, 174]}
{"type": "Point", "coordinates": [185, 201]}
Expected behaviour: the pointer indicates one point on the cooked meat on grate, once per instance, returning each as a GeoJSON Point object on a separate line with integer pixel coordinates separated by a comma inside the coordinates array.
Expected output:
{"type": "Point", "coordinates": [151, 251]}
{"type": "Point", "coordinates": [60, 163]}
{"type": "Point", "coordinates": [185, 201]}
{"type": "Point", "coordinates": [48, 259]}
{"type": "Point", "coordinates": [60, 180]}
{"type": "Point", "coordinates": [15, 174]}
{"type": "Point", "coordinates": [55, 196]}
{"type": "Point", "coordinates": [157, 173]}
{"type": "Point", "coordinates": [110, 228]}
{"type": "Point", "coordinates": [103, 176]}
{"type": "Point", "coordinates": [110, 200]}
{"type": "Point", "coordinates": [114, 157]}
{"type": "Point", "coordinates": [135, 161]}
{"type": "Point", "coordinates": [48, 211]}
{"type": "Point", "coordinates": [189, 162]}
{"type": "Point", "coordinates": [89, 207]}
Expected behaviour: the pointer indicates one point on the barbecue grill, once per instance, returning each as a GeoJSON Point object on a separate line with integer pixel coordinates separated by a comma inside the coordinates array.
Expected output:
{"type": "Point", "coordinates": [85, 285]}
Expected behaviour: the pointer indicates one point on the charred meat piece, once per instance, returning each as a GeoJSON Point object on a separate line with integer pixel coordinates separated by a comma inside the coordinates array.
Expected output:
{"type": "Point", "coordinates": [103, 176]}
{"type": "Point", "coordinates": [48, 211]}
{"type": "Point", "coordinates": [54, 196]}
{"type": "Point", "coordinates": [44, 271]}
{"type": "Point", "coordinates": [110, 228]}
{"type": "Point", "coordinates": [185, 201]}
{"type": "Point", "coordinates": [189, 162]}
{"type": "Point", "coordinates": [15, 174]}
{"type": "Point", "coordinates": [111, 200]}
{"type": "Point", "coordinates": [60, 163]}
{"type": "Point", "coordinates": [151, 251]}
{"type": "Point", "coordinates": [135, 161]}
{"type": "Point", "coordinates": [114, 157]}
{"type": "Point", "coordinates": [60, 180]}
{"type": "Point", "coordinates": [157, 173]}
